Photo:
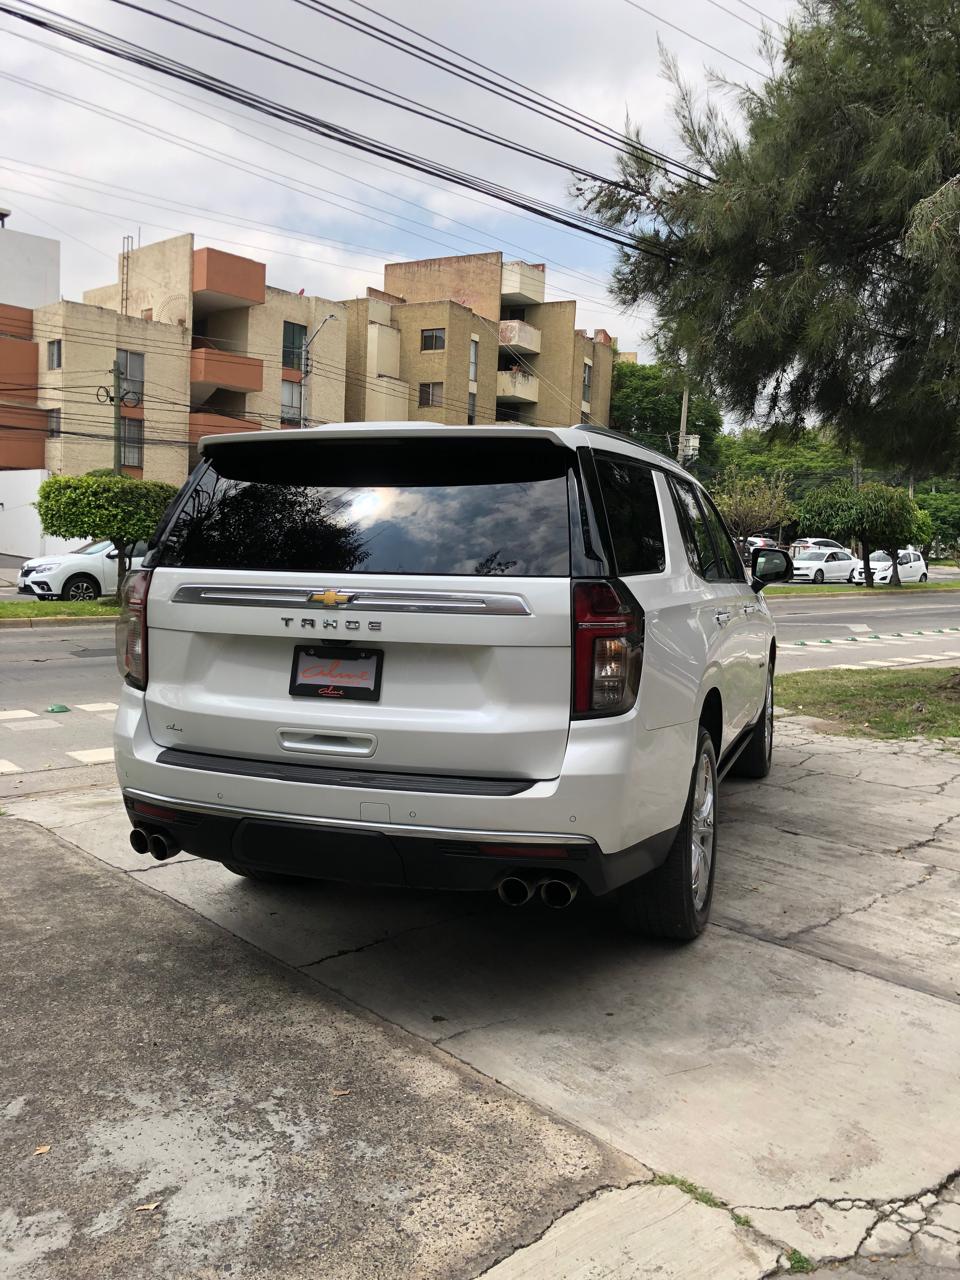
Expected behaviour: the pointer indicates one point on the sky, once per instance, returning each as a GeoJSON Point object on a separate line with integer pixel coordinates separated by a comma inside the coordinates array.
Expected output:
{"type": "Point", "coordinates": [151, 162]}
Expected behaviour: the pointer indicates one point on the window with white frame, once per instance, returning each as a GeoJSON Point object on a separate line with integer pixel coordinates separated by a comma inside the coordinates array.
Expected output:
{"type": "Point", "coordinates": [431, 395]}
{"type": "Point", "coordinates": [291, 402]}
{"type": "Point", "coordinates": [474, 359]}
{"type": "Point", "coordinates": [55, 354]}
{"type": "Point", "coordinates": [131, 374]}
{"type": "Point", "coordinates": [587, 381]}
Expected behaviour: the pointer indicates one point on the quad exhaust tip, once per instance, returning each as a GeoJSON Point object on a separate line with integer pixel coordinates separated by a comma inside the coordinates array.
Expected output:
{"type": "Point", "coordinates": [139, 840]}
{"type": "Point", "coordinates": [558, 893]}
{"type": "Point", "coordinates": [515, 891]}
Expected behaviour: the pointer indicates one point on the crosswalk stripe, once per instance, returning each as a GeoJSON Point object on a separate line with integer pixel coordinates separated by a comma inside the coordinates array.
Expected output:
{"type": "Point", "coordinates": [7, 766]}
{"type": "Point", "coordinates": [18, 715]}
{"type": "Point", "coordinates": [100, 755]}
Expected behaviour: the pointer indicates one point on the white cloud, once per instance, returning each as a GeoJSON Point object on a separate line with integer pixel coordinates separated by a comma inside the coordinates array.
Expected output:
{"type": "Point", "coordinates": [600, 58]}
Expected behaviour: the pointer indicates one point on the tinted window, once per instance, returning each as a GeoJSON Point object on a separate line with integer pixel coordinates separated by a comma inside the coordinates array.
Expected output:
{"type": "Point", "coordinates": [378, 506]}
{"type": "Point", "coordinates": [731, 562]}
{"type": "Point", "coordinates": [633, 514]}
{"type": "Point", "coordinates": [700, 550]}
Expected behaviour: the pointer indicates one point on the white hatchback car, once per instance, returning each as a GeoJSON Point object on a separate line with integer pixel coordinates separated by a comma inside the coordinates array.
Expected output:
{"type": "Point", "coordinates": [84, 574]}
{"type": "Point", "coordinates": [911, 567]}
{"type": "Point", "coordinates": [493, 658]}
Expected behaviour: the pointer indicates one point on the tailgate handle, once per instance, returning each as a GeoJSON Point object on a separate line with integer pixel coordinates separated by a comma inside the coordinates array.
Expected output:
{"type": "Point", "coordinates": [327, 743]}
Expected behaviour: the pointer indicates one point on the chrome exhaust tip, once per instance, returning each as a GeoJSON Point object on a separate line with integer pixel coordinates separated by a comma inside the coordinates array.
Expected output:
{"type": "Point", "coordinates": [515, 891]}
{"type": "Point", "coordinates": [558, 893]}
{"type": "Point", "coordinates": [139, 840]}
{"type": "Point", "coordinates": [162, 847]}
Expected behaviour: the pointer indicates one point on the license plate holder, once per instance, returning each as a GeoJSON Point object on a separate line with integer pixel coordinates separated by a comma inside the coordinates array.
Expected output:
{"type": "Point", "coordinates": [339, 673]}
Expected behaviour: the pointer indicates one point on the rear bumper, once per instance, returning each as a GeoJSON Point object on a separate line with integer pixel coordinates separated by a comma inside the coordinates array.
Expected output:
{"type": "Point", "coordinates": [365, 853]}
{"type": "Point", "coordinates": [612, 810]}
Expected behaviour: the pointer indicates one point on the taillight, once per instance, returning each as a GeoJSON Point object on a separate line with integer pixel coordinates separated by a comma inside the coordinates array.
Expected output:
{"type": "Point", "coordinates": [607, 649]}
{"type": "Point", "coordinates": [132, 628]}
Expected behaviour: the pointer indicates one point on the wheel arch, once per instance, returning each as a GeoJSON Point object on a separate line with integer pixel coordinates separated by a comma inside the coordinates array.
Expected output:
{"type": "Point", "coordinates": [711, 717]}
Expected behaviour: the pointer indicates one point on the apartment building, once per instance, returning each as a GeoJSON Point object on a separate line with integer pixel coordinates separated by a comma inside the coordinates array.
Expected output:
{"type": "Point", "coordinates": [204, 346]}
{"type": "Point", "coordinates": [471, 339]}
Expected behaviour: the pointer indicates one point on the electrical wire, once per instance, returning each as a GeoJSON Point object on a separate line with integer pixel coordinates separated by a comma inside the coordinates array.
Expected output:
{"type": "Point", "coordinates": [733, 14]}
{"type": "Point", "coordinates": [527, 98]}
{"type": "Point", "coordinates": [94, 38]}
{"type": "Point", "coordinates": [707, 45]}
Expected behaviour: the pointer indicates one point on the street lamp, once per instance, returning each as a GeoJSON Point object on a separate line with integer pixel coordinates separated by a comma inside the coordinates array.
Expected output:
{"type": "Point", "coordinates": [304, 357]}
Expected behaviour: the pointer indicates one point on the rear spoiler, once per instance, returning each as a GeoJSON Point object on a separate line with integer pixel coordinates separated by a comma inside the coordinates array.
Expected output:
{"type": "Point", "coordinates": [564, 436]}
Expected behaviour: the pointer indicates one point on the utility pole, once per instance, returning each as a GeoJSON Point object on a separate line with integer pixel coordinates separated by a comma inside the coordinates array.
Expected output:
{"type": "Point", "coordinates": [117, 451]}
{"type": "Point", "coordinates": [682, 443]}
{"type": "Point", "coordinates": [305, 358]}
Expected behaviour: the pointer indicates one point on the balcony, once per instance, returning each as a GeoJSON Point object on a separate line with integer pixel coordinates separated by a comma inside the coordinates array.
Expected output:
{"type": "Point", "coordinates": [211, 369]}
{"type": "Point", "coordinates": [224, 281]}
{"type": "Point", "coordinates": [522, 283]}
{"type": "Point", "coordinates": [519, 336]}
{"type": "Point", "coordinates": [218, 424]}
{"type": "Point", "coordinates": [516, 387]}
{"type": "Point", "coordinates": [23, 438]}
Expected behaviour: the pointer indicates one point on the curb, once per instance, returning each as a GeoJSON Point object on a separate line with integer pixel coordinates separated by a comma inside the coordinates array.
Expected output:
{"type": "Point", "coordinates": [856, 595]}
{"type": "Point", "coordinates": [22, 623]}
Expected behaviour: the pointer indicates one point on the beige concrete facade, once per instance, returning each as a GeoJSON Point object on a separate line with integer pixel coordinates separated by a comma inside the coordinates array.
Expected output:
{"type": "Point", "coordinates": [210, 334]}
{"type": "Point", "coordinates": [537, 374]}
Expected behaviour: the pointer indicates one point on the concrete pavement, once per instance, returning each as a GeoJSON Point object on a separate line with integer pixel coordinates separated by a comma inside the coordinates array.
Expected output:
{"type": "Point", "coordinates": [799, 1062]}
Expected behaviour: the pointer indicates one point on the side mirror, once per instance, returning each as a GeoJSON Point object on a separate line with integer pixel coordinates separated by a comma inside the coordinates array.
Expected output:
{"type": "Point", "coordinates": [113, 555]}
{"type": "Point", "coordinates": [770, 565]}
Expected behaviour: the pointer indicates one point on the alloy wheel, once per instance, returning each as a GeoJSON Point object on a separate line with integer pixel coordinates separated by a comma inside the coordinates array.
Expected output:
{"type": "Point", "coordinates": [703, 829]}
{"type": "Point", "coordinates": [81, 591]}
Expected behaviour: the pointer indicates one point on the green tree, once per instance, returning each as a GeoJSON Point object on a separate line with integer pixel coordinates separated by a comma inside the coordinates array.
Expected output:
{"type": "Point", "coordinates": [875, 515]}
{"type": "Point", "coordinates": [100, 506]}
{"type": "Point", "coordinates": [942, 505]}
{"type": "Point", "coordinates": [752, 504]}
{"type": "Point", "coordinates": [810, 272]}
{"type": "Point", "coordinates": [645, 403]}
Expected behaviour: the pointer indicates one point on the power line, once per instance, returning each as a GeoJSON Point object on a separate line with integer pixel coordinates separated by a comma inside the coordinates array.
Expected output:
{"type": "Point", "coordinates": [762, 13]}
{"type": "Point", "coordinates": [706, 44]}
{"type": "Point", "coordinates": [527, 98]}
{"type": "Point", "coordinates": [733, 14]}
{"type": "Point", "coordinates": [95, 38]}
{"type": "Point", "coordinates": [365, 88]}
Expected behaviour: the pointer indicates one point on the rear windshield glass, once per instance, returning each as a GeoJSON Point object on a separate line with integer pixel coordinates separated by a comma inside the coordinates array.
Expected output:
{"type": "Point", "coordinates": [378, 506]}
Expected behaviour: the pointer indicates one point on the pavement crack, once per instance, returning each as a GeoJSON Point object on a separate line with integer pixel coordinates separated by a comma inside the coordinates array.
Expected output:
{"type": "Point", "coordinates": [843, 913]}
{"type": "Point", "coordinates": [585, 1199]}
{"type": "Point", "coordinates": [387, 937]}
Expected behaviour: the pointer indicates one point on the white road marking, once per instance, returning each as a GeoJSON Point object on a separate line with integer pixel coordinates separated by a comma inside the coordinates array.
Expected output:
{"type": "Point", "coordinates": [7, 766]}
{"type": "Point", "coordinates": [858, 626]}
{"type": "Point", "coordinates": [100, 755]}
{"type": "Point", "coordinates": [96, 706]}
{"type": "Point", "coordinates": [18, 715]}
{"type": "Point", "coordinates": [888, 663]}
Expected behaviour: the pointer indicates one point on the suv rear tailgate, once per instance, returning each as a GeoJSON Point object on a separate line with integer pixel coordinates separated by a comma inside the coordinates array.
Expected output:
{"type": "Point", "coordinates": [474, 665]}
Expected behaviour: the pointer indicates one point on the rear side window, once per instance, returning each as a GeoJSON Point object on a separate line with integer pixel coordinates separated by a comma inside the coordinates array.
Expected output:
{"type": "Point", "coordinates": [431, 506]}
{"type": "Point", "coordinates": [708, 544]}
{"type": "Point", "coordinates": [633, 514]}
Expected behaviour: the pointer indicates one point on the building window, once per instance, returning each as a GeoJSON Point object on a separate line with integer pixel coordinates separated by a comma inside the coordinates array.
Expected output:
{"type": "Point", "coordinates": [474, 359]}
{"type": "Point", "coordinates": [587, 382]}
{"type": "Point", "coordinates": [431, 395]}
{"type": "Point", "coordinates": [53, 422]}
{"type": "Point", "coordinates": [291, 402]}
{"type": "Point", "coordinates": [54, 354]}
{"type": "Point", "coordinates": [294, 336]}
{"type": "Point", "coordinates": [433, 339]}
{"type": "Point", "coordinates": [516, 313]}
{"type": "Point", "coordinates": [131, 378]}
{"type": "Point", "coordinates": [131, 442]}
{"type": "Point", "coordinates": [471, 408]}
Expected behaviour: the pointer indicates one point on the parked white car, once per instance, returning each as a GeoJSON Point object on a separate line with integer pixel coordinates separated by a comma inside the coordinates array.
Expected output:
{"type": "Point", "coordinates": [811, 544]}
{"type": "Point", "coordinates": [84, 574]}
{"type": "Point", "coordinates": [824, 564]}
{"type": "Point", "coordinates": [911, 567]}
{"type": "Point", "coordinates": [498, 658]}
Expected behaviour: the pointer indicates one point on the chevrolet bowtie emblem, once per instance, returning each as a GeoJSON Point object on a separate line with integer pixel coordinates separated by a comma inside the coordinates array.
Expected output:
{"type": "Point", "coordinates": [331, 599]}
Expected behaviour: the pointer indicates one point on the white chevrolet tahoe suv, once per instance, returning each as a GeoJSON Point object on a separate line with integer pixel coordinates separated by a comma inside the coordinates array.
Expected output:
{"type": "Point", "coordinates": [493, 658]}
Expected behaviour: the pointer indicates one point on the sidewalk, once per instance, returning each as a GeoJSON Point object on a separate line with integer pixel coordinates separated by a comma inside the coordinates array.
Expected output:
{"type": "Point", "coordinates": [180, 1033]}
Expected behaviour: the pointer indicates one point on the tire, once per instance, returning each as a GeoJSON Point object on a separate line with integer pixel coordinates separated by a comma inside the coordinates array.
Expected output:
{"type": "Point", "coordinates": [850, 578]}
{"type": "Point", "coordinates": [755, 759]}
{"type": "Point", "coordinates": [818, 577]}
{"type": "Point", "coordinates": [80, 587]}
{"type": "Point", "coordinates": [671, 902]}
{"type": "Point", "coordinates": [263, 877]}
{"type": "Point", "coordinates": [923, 577]}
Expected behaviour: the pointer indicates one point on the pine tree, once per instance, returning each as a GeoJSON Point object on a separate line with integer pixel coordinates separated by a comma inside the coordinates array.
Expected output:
{"type": "Point", "coordinates": [812, 273]}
